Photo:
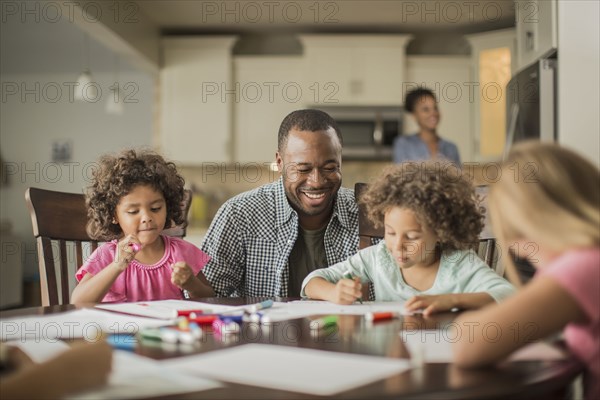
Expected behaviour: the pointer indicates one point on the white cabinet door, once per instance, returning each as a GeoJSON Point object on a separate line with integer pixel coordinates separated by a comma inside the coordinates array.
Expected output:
{"type": "Point", "coordinates": [196, 120]}
{"type": "Point", "coordinates": [355, 69]}
{"type": "Point", "coordinates": [448, 77]}
{"type": "Point", "coordinates": [269, 88]}
{"type": "Point", "coordinates": [537, 34]}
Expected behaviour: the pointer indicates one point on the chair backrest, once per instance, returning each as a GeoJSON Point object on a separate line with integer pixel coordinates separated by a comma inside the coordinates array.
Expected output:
{"type": "Point", "coordinates": [59, 225]}
{"type": "Point", "coordinates": [369, 234]}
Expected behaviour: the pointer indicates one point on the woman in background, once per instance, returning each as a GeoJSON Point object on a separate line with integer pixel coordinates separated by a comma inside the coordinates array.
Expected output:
{"type": "Point", "coordinates": [545, 208]}
{"type": "Point", "coordinates": [426, 144]}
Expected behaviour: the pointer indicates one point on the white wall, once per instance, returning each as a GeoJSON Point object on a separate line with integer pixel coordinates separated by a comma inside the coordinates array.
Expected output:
{"type": "Point", "coordinates": [50, 54]}
{"type": "Point", "coordinates": [578, 77]}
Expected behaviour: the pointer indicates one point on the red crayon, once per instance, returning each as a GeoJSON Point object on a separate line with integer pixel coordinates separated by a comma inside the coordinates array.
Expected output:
{"type": "Point", "coordinates": [380, 316]}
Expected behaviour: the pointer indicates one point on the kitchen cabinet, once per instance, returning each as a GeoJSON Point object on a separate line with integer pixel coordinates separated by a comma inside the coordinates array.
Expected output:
{"type": "Point", "coordinates": [537, 34]}
{"type": "Point", "coordinates": [268, 88]}
{"type": "Point", "coordinates": [354, 69]}
{"type": "Point", "coordinates": [196, 99]}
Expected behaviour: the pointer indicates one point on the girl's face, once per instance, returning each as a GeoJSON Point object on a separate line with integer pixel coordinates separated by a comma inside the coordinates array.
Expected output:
{"type": "Point", "coordinates": [426, 113]}
{"type": "Point", "coordinates": [410, 243]}
{"type": "Point", "coordinates": [142, 213]}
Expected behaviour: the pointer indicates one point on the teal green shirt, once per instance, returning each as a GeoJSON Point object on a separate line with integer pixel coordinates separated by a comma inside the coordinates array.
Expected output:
{"type": "Point", "coordinates": [460, 271]}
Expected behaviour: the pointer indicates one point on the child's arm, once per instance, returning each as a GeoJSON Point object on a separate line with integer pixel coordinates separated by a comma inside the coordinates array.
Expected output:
{"type": "Point", "coordinates": [84, 366]}
{"type": "Point", "coordinates": [93, 288]}
{"type": "Point", "coordinates": [518, 320]}
{"type": "Point", "coordinates": [197, 286]}
{"type": "Point", "coordinates": [345, 291]}
{"type": "Point", "coordinates": [445, 302]}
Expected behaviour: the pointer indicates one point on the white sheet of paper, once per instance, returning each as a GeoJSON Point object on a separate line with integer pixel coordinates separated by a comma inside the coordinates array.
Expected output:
{"type": "Point", "coordinates": [435, 346]}
{"type": "Point", "coordinates": [84, 323]}
{"type": "Point", "coordinates": [306, 370]}
{"type": "Point", "coordinates": [162, 309]}
{"type": "Point", "coordinates": [134, 376]}
{"type": "Point", "coordinates": [40, 350]}
{"type": "Point", "coordinates": [305, 308]}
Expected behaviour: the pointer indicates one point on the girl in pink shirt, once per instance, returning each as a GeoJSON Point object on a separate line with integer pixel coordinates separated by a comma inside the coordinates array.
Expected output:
{"type": "Point", "coordinates": [544, 208]}
{"type": "Point", "coordinates": [133, 197]}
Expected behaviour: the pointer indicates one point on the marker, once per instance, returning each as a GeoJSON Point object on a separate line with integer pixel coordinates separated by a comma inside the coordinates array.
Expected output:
{"type": "Point", "coordinates": [238, 319]}
{"type": "Point", "coordinates": [324, 322]}
{"type": "Point", "coordinates": [122, 341]}
{"type": "Point", "coordinates": [348, 275]}
{"type": "Point", "coordinates": [195, 330]}
{"type": "Point", "coordinates": [189, 313]}
{"type": "Point", "coordinates": [380, 316]}
{"type": "Point", "coordinates": [225, 327]}
{"type": "Point", "coordinates": [151, 334]}
{"type": "Point", "coordinates": [136, 247]}
{"type": "Point", "coordinates": [251, 308]}
{"type": "Point", "coordinates": [183, 324]}
{"type": "Point", "coordinates": [260, 306]}
{"type": "Point", "coordinates": [252, 317]}
{"type": "Point", "coordinates": [204, 319]}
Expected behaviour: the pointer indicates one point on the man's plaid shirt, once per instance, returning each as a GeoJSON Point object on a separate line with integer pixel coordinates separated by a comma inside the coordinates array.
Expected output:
{"type": "Point", "coordinates": [253, 233]}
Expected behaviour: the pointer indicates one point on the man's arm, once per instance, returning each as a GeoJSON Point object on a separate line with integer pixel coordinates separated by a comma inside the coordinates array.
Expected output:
{"type": "Point", "coordinates": [224, 244]}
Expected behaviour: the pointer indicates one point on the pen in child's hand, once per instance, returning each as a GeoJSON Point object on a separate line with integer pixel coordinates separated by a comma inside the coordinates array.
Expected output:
{"type": "Point", "coordinates": [348, 275]}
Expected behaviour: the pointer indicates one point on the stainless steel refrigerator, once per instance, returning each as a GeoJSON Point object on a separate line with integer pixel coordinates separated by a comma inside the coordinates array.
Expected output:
{"type": "Point", "coordinates": [531, 103]}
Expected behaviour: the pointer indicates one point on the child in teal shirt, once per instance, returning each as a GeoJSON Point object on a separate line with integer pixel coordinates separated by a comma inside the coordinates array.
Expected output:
{"type": "Point", "coordinates": [432, 220]}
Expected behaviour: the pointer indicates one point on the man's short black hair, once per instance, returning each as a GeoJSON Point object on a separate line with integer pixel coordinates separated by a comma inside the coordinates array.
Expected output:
{"type": "Point", "coordinates": [306, 120]}
{"type": "Point", "coordinates": [415, 95]}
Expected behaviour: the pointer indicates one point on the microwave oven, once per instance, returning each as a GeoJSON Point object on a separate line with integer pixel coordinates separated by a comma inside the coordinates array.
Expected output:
{"type": "Point", "coordinates": [368, 132]}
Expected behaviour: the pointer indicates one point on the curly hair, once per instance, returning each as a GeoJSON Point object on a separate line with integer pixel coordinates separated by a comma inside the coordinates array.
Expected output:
{"type": "Point", "coordinates": [438, 194]}
{"type": "Point", "coordinates": [412, 97]}
{"type": "Point", "coordinates": [117, 175]}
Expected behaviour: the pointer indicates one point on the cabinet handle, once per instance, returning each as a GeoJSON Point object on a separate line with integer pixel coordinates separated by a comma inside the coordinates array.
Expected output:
{"type": "Point", "coordinates": [529, 44]}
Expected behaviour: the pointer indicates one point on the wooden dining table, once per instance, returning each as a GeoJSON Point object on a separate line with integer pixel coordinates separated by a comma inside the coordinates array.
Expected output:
{"type": "Point", "coordinates": [355, 335]}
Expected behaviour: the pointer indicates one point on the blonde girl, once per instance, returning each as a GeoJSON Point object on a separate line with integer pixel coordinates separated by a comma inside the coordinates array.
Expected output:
{"type": "Point", "coordinates": [545, 208]}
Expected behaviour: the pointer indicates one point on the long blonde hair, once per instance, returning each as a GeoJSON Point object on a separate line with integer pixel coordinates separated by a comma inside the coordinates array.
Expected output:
{"type": "Point", "coordinates": [549, 195]}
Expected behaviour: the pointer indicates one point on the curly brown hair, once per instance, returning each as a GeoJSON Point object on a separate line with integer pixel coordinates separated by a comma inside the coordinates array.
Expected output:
{"type": "Point", "coordinates": [442, 199]}
{"type": "Point", "coordinates": [117, 175]}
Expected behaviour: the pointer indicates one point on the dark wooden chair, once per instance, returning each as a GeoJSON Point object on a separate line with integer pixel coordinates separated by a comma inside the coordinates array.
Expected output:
{"type": "Point", "coordinates": [59, 225]}
{"type": "Point", "coordinates": [369, 235]}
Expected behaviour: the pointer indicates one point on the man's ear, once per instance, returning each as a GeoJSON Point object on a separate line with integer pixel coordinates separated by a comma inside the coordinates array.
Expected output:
{"type": "Point", "coordinates": [279, 161]}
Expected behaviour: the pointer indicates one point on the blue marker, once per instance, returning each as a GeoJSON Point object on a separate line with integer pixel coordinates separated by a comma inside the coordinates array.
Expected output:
{"type": "Point", "coordinates": [260, 306]}
{"type": "Point", "coordinates": [122, 341]}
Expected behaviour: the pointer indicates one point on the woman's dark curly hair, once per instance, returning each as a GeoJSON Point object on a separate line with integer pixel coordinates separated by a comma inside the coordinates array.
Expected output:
{"type": "Point", "coordinates": [442, 199]}
{"type": "Point", "coordinates": [117, 175]}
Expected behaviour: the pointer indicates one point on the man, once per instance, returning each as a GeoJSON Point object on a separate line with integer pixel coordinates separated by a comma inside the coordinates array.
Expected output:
{"type": "Point", "coordinates": [265, 241]}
